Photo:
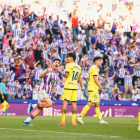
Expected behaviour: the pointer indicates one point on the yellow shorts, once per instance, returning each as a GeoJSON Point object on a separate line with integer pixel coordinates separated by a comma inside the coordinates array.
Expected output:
{"type": "Point", "coordinates": [69, 95]}
{"type": "Point", "coordinates": [93, 97]}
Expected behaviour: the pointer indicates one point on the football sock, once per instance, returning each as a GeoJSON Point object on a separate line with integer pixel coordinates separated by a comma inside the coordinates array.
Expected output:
{"type": "Point", "coordinates": [34, 105]}
{"type": "Point", "coordinates": [73, 117]}
{"type": "Point", "coordinates": [98, 112]}
{"type": "Point", "coordinates": [85, 110]}
{"type": "Point", "coordinates": [38, 105]}
{"type": "Point", "coordinates": [29, 118]}
{"type": "Point", "coordinates": [139, 118]}
{"type": "Point", "coordinates": [63, 117]}
{"type": "Point", "coordinates": [6, 112]}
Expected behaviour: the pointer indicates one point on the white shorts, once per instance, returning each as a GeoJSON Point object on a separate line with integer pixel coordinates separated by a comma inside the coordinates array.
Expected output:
{"type": "Point", "coordinates": [42, 95]}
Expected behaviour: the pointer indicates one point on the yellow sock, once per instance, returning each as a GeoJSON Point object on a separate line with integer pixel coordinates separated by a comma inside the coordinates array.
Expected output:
{"type": "Point", "coordinates": [139, 117]}
{"type": "Point", "coordinates": [63, 117]}
{"type": "Point", "coordinates": [98, 112]}
{"type": "Point", "coordinates": [73, 117]}
{"type": "Point", "coordinates": [85, 110]}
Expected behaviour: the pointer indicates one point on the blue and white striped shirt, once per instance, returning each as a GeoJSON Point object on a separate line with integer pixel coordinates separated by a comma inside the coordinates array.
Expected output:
{"type": "Point", "coordinates": [64, 50]}
{"type": "Point", "coordinates": [128, 80]}
{"type": "Point", "coordinates": [121, 73]}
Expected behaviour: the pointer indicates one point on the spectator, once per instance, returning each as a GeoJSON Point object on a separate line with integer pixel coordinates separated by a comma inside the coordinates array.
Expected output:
{"type": "Point", "coordinates": [75, 26]}
{"type": "Point", "coordinates": [112, 95]}
{"type": "Point", "coordinates": [104, 95]}
{"type": "Point", "coordinates": [118, 96]}
{"type": "Point", "coordinates": [59, 91]}
{"type": "Point", "coordinates": [29, 60]}
{"type": "Point", "coordinates": [135, 91]}
{"type": "Point", "coordinates": [28, 90]}
{"type": "Point", "coordinates": [128, 83]}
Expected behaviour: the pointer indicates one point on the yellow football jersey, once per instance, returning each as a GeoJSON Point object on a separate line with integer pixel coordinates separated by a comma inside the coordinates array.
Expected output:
{"type": "Point", "coordinates": [92, 86]}
{"type": "Point", "coordinates": [71, 82]}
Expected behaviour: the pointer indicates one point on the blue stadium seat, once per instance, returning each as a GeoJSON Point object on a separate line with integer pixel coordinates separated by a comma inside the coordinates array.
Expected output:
{"type": "Point", "coordinates": [111, 73]}
{"type": "Point", "coordinates": [121, 88]}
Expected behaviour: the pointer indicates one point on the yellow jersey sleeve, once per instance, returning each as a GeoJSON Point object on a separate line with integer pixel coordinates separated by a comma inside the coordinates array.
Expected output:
{"type": "Point", "coordinates": [67, 68]}
{"type": "Point", "coordinates": [95, 71]}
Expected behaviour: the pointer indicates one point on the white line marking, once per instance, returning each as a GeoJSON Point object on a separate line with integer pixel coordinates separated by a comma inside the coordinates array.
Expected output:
{"type": "Point", "coordinates": [63, 132]}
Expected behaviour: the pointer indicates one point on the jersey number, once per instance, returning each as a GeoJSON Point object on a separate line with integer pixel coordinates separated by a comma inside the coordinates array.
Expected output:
{"type": "Point", "coordinates": [75, 75]}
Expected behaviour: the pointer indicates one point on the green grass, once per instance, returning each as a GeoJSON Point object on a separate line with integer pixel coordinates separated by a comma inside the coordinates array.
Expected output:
{"type": "Point", "coordinates": [125, 128]}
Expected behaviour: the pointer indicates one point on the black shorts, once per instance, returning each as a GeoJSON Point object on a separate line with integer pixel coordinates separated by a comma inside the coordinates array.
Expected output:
{"type": "Point", "coordinates": [5, 98]}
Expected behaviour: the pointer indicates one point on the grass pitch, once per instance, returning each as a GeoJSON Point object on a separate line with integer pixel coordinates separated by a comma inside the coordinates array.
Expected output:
{"type": "Point", "coordinates": [47, 128]}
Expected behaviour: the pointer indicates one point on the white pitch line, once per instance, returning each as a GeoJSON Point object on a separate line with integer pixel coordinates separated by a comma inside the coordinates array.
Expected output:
{"type": "Point", "coordinates": [62, 132]}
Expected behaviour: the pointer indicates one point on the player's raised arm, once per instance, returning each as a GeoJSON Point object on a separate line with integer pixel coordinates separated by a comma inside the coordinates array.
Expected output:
{"type": "Point", "coordinates": [44, 73]}
{"type": "Point", "coordinates": [63, 74]}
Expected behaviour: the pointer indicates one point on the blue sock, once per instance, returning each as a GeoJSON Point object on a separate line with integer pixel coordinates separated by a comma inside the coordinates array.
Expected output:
{"type": "Point", "coordinates": [6, 112]}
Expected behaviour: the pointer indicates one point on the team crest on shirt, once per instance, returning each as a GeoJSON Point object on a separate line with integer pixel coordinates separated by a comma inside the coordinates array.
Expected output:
{"type": "Point", "coordinates": [53, 81]}
{"type": "Point", "coordinates": [96, 72]}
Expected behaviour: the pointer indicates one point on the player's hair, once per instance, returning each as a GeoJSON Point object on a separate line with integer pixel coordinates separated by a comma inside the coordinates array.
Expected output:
{"type": "Point", "coordinates": [73, 55]}
{"type": "Point", "coordinates": [97, 58]}
{"type": "Point", "coordinates": [56, 59]}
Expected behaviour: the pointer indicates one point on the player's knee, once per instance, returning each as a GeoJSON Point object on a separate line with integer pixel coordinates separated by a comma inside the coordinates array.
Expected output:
{"type": "Point", "coordinates": [97, 105]}
{"type": "Point", "coordinates": [65, 110]}
{"type": "Point", "coordinates": [50, 104]}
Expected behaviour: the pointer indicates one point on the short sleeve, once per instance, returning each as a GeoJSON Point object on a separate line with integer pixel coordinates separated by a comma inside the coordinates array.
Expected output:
{"type": "Point", "coordinates": [67, 68]}
{"type": "Point", "coordinates": [95, 71]}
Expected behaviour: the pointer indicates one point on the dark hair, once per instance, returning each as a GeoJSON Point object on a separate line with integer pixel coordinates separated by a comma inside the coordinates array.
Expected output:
{"type": "Point", "coordinates": [97, 58]}
{"type": "Point", "coordinates": [56, 59]}
{"type": "Point", "coordinates": [132, 47]}
{"type": "Point", "coordinates": [73, 55]}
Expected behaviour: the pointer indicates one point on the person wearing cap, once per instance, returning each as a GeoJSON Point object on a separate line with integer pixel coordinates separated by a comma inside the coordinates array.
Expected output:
{"type": "Point", "coordinates": [28, 90]}
{"type": "Point", "coordinates": [55, 29]}
{"type": "Point", "coordinates": [82, 38]}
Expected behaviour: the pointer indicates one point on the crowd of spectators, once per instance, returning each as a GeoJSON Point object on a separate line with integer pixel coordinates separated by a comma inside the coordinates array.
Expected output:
{"type": "Point", "coordinates": [33, 33]}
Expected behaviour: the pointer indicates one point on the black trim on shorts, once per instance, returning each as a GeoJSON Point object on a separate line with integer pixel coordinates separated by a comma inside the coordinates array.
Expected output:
{"type": "Point", "coordinates": [66, 100]}
{"type": "Point", "coordinates": [69, 89]}
{"type": "Point", "coordinates": [94, 75]}
{"type": "Point", "coordinates": [73, 101]}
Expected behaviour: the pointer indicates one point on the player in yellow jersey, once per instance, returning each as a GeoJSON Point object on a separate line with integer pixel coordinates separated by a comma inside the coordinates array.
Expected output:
{"type": "Point", "coordinates": [93, 86]}
{"type": "Point", "coordinates": [72, 75]}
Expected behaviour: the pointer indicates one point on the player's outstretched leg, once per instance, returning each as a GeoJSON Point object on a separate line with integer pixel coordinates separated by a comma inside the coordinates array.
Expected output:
{"type": "Point", "coordinates": [139, 121]}
{"type": "Point", "coordinates": [83, 113]}
{"type": "Point", "coordinates": [64, 111]}
{"type": "Point", "coordinates": [74, 110]}
{"type": "Point", "coordinates": [32, 116]}
{"type": "Point", "coordinates": [99, 115]}
{"type": "Point", "coordinates": [45, 103]}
